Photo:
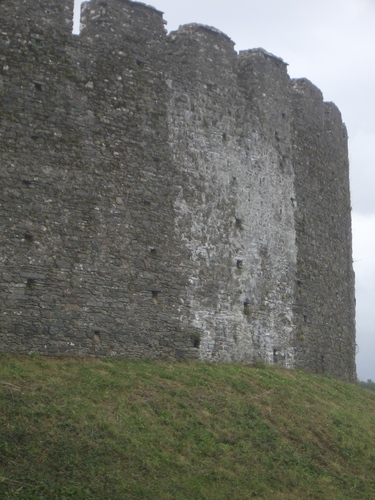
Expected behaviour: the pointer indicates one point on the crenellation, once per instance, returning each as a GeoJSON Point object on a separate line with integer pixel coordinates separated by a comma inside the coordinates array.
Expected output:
{"type": "Point", "coordinates": [164, 197]}
{"type": "Point", "coordinates": [45, 15]}
{"type": "Point", "coordinates": [310, 98]}
{"type": "Point", "coordinates": [261, 52]}
{"type": "Point", "coordinates": [198, 49]}
{"type": "Point", "coordinates": [122, 20]}
{"type": "Point", "coordinates": [196, 29]}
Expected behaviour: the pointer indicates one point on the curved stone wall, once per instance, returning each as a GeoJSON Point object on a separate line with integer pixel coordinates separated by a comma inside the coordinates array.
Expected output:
{"type": "Point", "coordinates": [165, 197]}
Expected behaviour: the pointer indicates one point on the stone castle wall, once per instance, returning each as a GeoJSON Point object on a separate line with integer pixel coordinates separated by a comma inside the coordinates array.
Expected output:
{"type": "Point", "coordinates": [165, 197]}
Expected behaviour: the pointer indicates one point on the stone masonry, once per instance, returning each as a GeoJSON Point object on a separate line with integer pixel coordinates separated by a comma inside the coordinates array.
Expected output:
{"type": "Point", "coordinates": [164, 197]}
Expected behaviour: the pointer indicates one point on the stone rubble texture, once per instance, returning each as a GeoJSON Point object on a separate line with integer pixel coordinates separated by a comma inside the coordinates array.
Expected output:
{"type": "Point", "coordinates": [164, 197]}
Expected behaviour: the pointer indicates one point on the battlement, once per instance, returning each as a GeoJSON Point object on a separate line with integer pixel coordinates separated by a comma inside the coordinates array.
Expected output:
{"type": "Point", "coordinates": [261, 52]}
{"type": "Point", "coordinates": [56, 15]}
{"type": "Point", "coordinates": [121, 18]}
{"type": "Point", "coordinates": [196, 28]}
{"type": "Point", "coordinates": [164, 197]}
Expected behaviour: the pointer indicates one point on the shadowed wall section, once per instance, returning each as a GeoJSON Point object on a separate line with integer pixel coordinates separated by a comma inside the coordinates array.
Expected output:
{"type": "Point", "coordinates": [325, 302]}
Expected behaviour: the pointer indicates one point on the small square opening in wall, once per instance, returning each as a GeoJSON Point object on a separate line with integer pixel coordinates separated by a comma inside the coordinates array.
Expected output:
{"type": "Point", "coordinates": [30, 283]}
{"type": "Point", "coordinates": [238, 223]}
{"type": "Point", "coordinates": [246, 307]}
{"type": "Point", "coordinates": [29, 237]}
{"type": "Point", "coordinates": [239, 263]}
{"type": "Point", "coordinates": [196, 339]}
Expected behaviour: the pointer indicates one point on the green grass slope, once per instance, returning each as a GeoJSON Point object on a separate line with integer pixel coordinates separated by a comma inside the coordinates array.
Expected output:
{"type": "Point", "coordinates": [104, 429]}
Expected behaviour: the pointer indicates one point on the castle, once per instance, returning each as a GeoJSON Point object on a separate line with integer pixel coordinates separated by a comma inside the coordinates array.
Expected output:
{"type": "Point", "coordinates": [164, 197]}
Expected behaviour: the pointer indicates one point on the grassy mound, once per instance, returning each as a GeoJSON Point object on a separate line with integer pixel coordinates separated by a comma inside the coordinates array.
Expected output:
{"type": "Point", "coordinates": [104, 429]}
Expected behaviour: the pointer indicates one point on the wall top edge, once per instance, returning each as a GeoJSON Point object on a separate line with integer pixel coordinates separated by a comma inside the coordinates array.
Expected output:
{"type": "Point", "coordinates": [303, 85]}
{"type": "Point", "coordinates": [129, 2]}
{"type": "Point", "coordinates": [195, 27]}
{"type": "Point", "coordinates": [145, 5]}
{"type": "Point", "coordinates": [261, 51]}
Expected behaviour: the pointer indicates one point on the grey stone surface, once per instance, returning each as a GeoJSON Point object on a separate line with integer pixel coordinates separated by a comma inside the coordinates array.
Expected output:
{"type": "Point", "coordinates": [165, 197]}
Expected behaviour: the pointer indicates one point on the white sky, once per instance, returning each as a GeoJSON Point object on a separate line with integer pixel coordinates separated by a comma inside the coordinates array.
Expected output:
{"type": "Point", "coordinates": [332, 43]}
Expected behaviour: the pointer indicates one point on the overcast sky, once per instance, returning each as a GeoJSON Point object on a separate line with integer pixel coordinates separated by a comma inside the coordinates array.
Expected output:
{"type": "Point", "coordinates": [332, 43]}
